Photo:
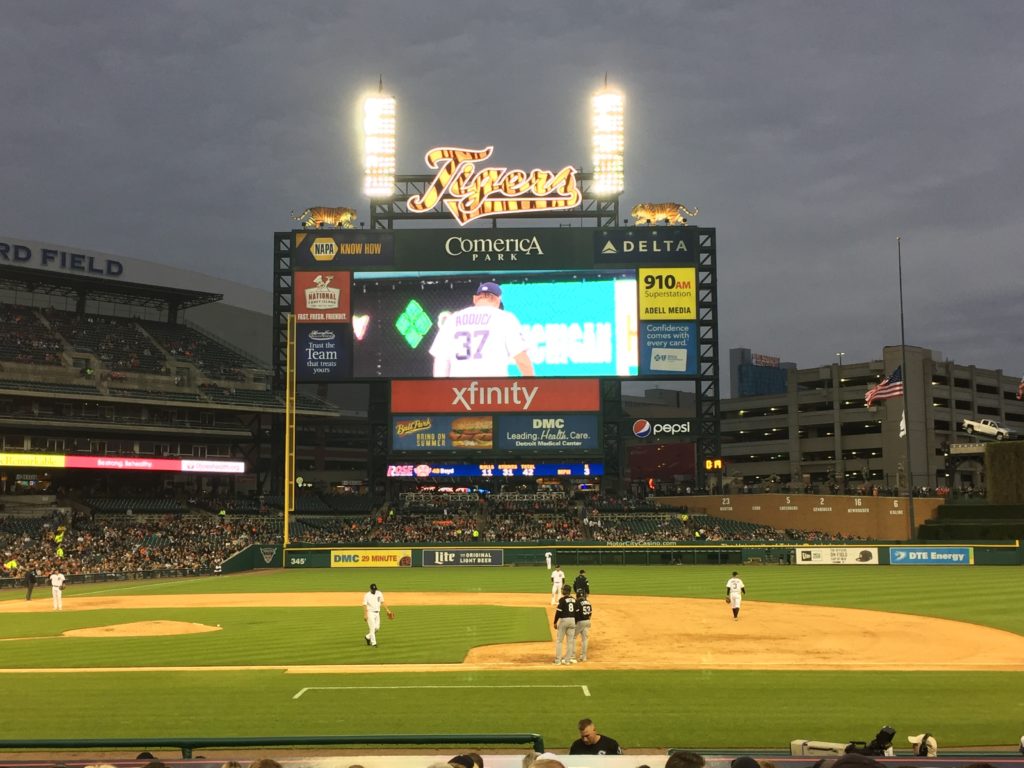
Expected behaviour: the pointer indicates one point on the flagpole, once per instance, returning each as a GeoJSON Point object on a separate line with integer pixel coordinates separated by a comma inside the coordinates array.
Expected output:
{"type": "Point", "coordinates": [906, 395]}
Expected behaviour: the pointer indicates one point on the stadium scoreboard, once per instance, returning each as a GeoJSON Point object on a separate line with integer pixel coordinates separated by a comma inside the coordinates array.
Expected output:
{"type": "Point", "coordinates": [591, 302]}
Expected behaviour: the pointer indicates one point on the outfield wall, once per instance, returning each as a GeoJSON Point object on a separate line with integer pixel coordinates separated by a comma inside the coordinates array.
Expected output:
{"type": "Point", "coordinates": [497, 555]}
{"type": "Point", "coordinates": [882, 518]}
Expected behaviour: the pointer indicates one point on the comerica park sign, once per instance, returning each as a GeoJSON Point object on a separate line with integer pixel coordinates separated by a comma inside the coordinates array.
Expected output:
{"type": "Point", "coordinates": [471, 193]}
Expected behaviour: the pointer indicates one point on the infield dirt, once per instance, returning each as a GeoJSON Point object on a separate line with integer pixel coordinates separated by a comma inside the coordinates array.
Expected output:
{"type": "Point", "coordinates": [642, 632]}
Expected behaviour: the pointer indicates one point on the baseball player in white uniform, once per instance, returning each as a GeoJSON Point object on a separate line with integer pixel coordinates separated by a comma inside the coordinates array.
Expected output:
{"type": "Point", "coordinates": [481, 340]}
{"type": "Point", "coordinates": [373, 604]}
{"type": "Point", "coordinates": [557, 580]}
{"type": "Point", "coordinates": [734, 592]}
{"type": "Point", "coordinates": [57, 587]}
{"type": "Point", "coordinates": [547, 560]}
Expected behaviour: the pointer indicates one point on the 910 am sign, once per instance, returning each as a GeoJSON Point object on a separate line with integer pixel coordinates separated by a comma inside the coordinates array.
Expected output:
{"type": "Point", "coordinates": [667, 293]}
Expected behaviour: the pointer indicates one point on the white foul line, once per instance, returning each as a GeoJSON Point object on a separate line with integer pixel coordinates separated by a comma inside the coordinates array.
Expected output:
{"type": "Point", "coordinates": [585, 689]}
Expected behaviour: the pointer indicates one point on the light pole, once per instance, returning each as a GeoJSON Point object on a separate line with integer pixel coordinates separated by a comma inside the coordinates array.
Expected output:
{"type": "Point", "coordinates": [906, 395]}
{"type": "Point", "coordinates": [840, 356]}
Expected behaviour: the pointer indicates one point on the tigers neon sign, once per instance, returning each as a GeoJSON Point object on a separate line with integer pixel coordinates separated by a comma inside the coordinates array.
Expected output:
{"type": "Point", "coordinates": [469, 193]}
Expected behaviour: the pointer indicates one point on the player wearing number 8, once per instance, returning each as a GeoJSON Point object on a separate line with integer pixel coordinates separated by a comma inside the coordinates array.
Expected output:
{"type": "Point", "coordinates": [481, 340]}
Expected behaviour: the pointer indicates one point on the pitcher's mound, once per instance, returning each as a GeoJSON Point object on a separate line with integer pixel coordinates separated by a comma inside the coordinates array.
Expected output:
{"type": "Point", "coordinates": [143, 629]}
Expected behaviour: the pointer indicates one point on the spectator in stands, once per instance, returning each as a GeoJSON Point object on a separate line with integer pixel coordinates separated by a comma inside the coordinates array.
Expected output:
{"type": "Point", "coordinates": [683, 759]}
{"type": "Point", "coordinates": [591, 742]}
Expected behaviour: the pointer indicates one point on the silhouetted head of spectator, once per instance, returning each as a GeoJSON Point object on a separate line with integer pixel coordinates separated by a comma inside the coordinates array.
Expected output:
{"type": "Point", "coordinates": [684, 759]}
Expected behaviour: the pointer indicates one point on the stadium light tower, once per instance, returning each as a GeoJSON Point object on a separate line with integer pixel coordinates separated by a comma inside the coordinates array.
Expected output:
{"type": "Point", "coordinates": [608, 140]}
{"type": "Point", "coordinates": [379, 144]}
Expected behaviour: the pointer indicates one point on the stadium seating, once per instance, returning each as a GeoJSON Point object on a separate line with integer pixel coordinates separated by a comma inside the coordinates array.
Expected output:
{"type": "Point", "coordinates": [209, 356]}
{"type": "Point", "coordinates": [118, 343]}
{"type": "Point", "coordinates": [26, 339]}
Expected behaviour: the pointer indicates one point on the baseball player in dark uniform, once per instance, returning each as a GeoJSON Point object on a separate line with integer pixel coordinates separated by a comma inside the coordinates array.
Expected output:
{"type": "Point", "coordinates": [584, 610]}
{"type": "Point", "coordinates": [581, 584]}
{"type": "Point", "coordinates": [565, 627]}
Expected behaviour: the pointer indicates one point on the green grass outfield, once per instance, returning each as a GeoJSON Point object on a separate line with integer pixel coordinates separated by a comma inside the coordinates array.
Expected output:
{"type": "Point", "coordinates": [713, 709]}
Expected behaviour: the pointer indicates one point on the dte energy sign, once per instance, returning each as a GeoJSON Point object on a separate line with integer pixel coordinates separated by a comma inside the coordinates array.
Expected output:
{"type": "Point", "coordinates": [931, 555]}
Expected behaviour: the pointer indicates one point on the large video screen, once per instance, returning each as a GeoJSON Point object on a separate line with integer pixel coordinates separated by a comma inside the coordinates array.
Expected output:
{"type": "Point", "coordinates": [527, 324]}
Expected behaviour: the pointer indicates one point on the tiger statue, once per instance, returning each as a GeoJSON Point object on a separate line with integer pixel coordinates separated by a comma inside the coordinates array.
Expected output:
{"type": "Point", "coordinates": [672, 213]}
{"type": "Point", "coordinates": [321, 217]}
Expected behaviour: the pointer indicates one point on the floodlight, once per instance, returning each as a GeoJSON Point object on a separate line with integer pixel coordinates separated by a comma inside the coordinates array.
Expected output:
{"type": "Point", "coordinates": [379, 145]}
{"type": "Point", "coordinates": [607, 141]}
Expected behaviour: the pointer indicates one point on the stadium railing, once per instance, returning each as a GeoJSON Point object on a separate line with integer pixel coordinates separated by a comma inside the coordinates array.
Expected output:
{"type": "Point", "coordinates": [187, 745]}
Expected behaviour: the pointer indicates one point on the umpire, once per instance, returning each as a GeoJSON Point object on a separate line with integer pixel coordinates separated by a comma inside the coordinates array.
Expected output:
{"type": "Point", "coordinates": [29, 581]}
{"type": "Point", "coordinates": [580, 583]}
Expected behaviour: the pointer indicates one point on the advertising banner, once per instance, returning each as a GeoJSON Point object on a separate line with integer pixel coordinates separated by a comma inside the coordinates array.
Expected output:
{"type": "Point", "coordinates": [323, 353]}
{"type": "Point", "coordinates": [668, 348]}
{"type": "Point", "coordinates": [837, 555]}
{"type": "Point", "coordinates": [445, 557]}
{"type": "Point", "coordinates": [931, 555]}
{"type": "Point", "coordinates": [443, 250]}
{"type": "Point", "coordinates": [429, 433]}
{"type": "Point", "coordinates": [661, 428]}
{"type": "Point", "coordinates": [371, 558]}
{"type": "Point", "coordinates": [341, 249]}
{"type": "Point", "coordinates": [578, 432]}
{"type": "Point", "coordinates": [322, 297]}
{"type": "Point", "coordinates": [675, 245]}
{"type": "Point", "coordinates": [668, 293]}
{"type": "Point", "coordinates": [498, 469]}
{"type": "Point", "coordinates": [495, 395]}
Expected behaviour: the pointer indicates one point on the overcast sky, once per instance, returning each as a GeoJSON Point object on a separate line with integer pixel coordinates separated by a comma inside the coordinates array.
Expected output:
{"type": "Point", "coordinates": [810, 134]}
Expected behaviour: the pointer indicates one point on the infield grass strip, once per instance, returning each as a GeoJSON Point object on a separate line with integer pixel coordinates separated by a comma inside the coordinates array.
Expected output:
{"type": "Point", "coordinates": [973, 594]}
{"type": "Point", "coordinates": [649, 709]}
{"type": "Point", "coordinates": [266, 636]}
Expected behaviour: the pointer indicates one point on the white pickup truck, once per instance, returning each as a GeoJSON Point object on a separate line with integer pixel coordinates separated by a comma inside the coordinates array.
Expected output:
{"type": "Point", "coordinates": [985, 428]}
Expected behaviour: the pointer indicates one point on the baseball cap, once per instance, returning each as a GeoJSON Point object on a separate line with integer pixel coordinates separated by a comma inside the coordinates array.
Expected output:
{"type": "Point", "coordinates": [932, 744]}
{"type": "Point", "coordinates": [373, 587]}
{"type": "Point", "coordinates": [744, 761]}
{"type": "Point", "coordinates": [492, 288]}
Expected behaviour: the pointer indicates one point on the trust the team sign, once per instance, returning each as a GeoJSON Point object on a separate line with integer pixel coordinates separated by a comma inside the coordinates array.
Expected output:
{"type": "Point", "coordinates": [470, 193]}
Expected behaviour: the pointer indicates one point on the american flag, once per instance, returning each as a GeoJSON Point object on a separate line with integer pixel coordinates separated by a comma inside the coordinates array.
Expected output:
{"type": "Point", "coordinates": [890, 386]}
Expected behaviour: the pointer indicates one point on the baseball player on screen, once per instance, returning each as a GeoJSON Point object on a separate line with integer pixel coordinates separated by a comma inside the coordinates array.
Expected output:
{"type": "Point", "coordinates": [481, 339]}
{"type": "Point", "coordinates": [734, 591]}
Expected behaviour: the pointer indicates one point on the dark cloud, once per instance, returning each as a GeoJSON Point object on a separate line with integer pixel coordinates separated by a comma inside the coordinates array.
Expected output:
{"type": "Point", "coordinates": [809, 134]}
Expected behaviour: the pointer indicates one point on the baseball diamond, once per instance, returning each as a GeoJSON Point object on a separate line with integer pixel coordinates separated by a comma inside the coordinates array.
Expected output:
{"type": "Point", "coordinates": [804, 633]}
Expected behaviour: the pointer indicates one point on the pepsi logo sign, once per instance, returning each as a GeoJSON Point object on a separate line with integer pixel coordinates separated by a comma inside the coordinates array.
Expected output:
{"type": "Point", "coordinates": [645, 428]}
{"type": "Point", "coordinates": [642, 428]}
